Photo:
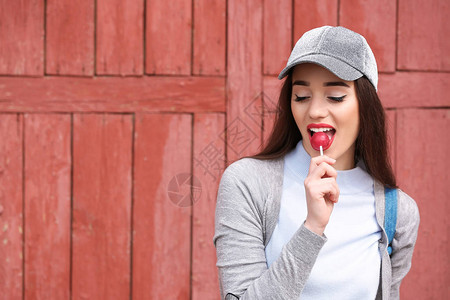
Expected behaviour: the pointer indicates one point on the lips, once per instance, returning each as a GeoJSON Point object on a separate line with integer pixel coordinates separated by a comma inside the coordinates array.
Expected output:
{"type": "Point", "coordinates": [321, 135]}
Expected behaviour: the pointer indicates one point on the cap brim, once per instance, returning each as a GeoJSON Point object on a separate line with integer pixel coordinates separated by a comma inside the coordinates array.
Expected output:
{"type": "Point", "coordinates": [334, 65]}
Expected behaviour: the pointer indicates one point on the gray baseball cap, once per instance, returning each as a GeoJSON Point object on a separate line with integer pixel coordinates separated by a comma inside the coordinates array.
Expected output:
{"type": "Point", "coordinates": [343, 52]}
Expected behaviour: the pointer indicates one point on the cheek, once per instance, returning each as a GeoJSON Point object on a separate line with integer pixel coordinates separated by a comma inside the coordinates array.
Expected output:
{"type": "Point", "coordinates": [352, 120]}
{"type": "Point", "coordinates": [299, 116]}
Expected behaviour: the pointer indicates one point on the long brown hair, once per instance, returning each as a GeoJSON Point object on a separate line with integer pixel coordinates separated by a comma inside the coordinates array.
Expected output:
{"type": "Point", "coordinates": [371, 143]}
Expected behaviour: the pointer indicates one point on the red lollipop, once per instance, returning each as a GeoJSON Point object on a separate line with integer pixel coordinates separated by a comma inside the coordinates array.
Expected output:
{"type": "Point", "coordinates": [320, 139]}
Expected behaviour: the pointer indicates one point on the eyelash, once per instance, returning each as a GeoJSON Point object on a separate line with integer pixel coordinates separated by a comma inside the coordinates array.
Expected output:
{"type": "Point", "coordinates": [336, 99]}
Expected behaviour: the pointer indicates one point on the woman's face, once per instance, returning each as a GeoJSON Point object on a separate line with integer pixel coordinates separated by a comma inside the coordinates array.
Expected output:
{"type": "Point", "coordinates": [321, 101]}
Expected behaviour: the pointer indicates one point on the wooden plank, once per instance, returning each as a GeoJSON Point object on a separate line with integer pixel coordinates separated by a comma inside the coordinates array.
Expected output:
{"type": "Point", "coordinates": [272, 89]}
{"type": "Point", "coordinates": [209, 164]}
{"type": "Point", "coordinates": [102, 165]}
{"type": "Point", "coordinates": [244, 84]}
{"type": "Point", "coordinates": [277, 35]}
{"type": "Point", "coordinates": [11, 208]}
{"type": "Point", "coordinates": [405, 89]}
{"type": "Point", "coordinates": [422, 168]}
{"type": "Point", "coordinates": [21, 36]}
{"type": "Point", "coordinates": [69, 37]}
{"type": "Point", "coordinates": [423, 42]}
{"type": "Point", "coordinates": [162, 206]}
{"type": "Point", "coordinates": [209, 37]}
{"type": "Point", "coordinates": [376, 21]}
{"type": "Point", "coordinates": [312, 14]}
{"type": "Point", "coordinates": [47, 206]}
{"type": "Point", "coordinates": [119, 37]}
{"type": "Point", "coordinates": [168, 37]}
{"type": "Point", "coordinates": [113, 94]}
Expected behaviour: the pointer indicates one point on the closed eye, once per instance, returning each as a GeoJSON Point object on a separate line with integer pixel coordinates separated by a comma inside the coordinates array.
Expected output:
{"type": "Point", "coordinates": [337, 99]}
{"type": "Point", "coordinates": [298, 98]}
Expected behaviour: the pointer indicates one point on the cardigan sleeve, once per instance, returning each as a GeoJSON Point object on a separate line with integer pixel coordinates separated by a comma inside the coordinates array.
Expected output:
{"type": "Point", "coordinates": [239, 242]}
{"type": "Point", "coordinates": [404, 240]}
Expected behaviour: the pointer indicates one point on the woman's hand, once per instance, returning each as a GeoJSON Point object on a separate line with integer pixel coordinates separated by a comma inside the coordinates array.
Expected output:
{"type": "Point", "coordinates": [322, 192]}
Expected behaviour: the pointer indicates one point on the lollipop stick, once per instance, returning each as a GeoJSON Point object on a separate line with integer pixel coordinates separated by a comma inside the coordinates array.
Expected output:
{"type": "Point", "coordinates": [321, 151]}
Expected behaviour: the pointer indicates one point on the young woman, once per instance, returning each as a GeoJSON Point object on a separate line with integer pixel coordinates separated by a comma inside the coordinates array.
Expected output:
{"type": "Point", "coordinates": [304, 218]}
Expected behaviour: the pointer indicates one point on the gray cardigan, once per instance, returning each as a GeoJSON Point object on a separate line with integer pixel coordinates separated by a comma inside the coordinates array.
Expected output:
{"type": "Point", "coordinates": [247, 210]}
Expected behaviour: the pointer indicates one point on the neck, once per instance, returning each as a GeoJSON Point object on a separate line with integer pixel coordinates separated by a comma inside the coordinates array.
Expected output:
{"type": "Point", "coordinates": [345, 161]}
{"type": "Point", "coordinates": [342, 165]}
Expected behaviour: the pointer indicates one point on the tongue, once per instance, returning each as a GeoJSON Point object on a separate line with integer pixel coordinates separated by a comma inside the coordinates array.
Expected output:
{"type": "Point", "coordinates": [319, 139]}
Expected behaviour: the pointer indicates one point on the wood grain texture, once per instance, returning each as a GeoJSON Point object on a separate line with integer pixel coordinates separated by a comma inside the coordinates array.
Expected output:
{"type": "Point", "coordinates": [11, 206]}
{"type": "Point", "coordinates": [22, 37]}
{"type": "Point", "coordinates": [162, 206]}
{"type": "Point", "coordinates": [209, 164]}
{"type": "Point", "coordinates": [423, 29]}
{"type": "Point", "coordinates": [376, 21]}
{"type": "Point", "coordinates": [312, 14]}
{"type": "Point", "coordinates": [209, 37]}
{"type": "Point", "coordinates": [70, 37]}
{"type": "Point", "coordinates": [119, 37]}
{"type": "Point", "coordinates": [422, 168]}
{"type": "Point", "coordinates": [168, 37]}
{"type": "Point", "coordinates": [113, 94]}
{"type": "Point", "coordinates": [272, 89]}
{"type": "Point", "coordinates": [47, 206]}
{"type": "Point", "coordinates": [277, 35]}
{"type": "Point", "coordinates": [406, 89]}
{"type": "Point", "coordinates": [102, 150]}
{"type": "Point", "coordinates": [244, 84]}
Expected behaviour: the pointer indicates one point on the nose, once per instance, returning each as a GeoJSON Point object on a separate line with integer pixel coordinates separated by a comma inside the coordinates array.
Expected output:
{"type": "Point", "coordinates": [317, 109]}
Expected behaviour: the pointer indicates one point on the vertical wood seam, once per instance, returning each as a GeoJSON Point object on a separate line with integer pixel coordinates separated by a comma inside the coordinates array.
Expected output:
{"type": "Point", "coordinates": [191, 240]}
{"type": "Point", "coordinates": [261, 80]}
{"type": "Point", "coordinates": [226, 42]}
{"type": "Point", "coordinates": [95, 40]}
{"type": "Point", "coordinates": [23, 206]}
{"type": "Point", "coordinates": [396, 35]}
{"type": "Point", "coordinates": [226, 84]}
{"type": "Point", "coordinates": [144, 41]}
{"type": "Point", "coordinates": [263, 33]}
{"type": "Point", "coordinates": [133, 127]}
{"type": "Point", "coordinates": [44, 60]}
{"type": "Point", "coordinates": [192, 38]}
{"type": "Point", "coordinates": [71, 208]}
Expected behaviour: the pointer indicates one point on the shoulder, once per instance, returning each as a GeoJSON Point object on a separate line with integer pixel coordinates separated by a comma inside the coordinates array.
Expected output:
{"type": "Point", "coordinates": [250, 181]}
{"type": "Point", "coordinates": [249, 164]}
{"type": "Point", "coordinates": [408, 211]}
{"type": "Point", "coordinates": [252, 169]}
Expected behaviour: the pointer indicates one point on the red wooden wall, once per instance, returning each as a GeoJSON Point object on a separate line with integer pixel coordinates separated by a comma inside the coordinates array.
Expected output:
{"type": "Point", "coordinates": [118, 117]}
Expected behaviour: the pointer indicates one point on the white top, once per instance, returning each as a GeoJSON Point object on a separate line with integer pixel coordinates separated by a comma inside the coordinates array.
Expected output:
{"type": "Point", "coordinates": [348, 266]}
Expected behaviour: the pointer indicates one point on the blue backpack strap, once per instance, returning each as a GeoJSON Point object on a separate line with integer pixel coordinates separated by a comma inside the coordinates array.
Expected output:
{"type": "Point", "coordinates": [390, 215]}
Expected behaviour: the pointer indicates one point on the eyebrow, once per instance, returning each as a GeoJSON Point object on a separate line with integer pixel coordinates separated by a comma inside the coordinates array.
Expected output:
{"type": "Point", "coordinates": [301, 82]}
{"type": "Point", "coordinates": [331, 83]}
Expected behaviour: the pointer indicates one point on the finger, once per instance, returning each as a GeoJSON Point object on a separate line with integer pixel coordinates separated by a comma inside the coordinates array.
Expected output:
{"type": "Point", "coordinates": [333, 194]}
{"type": "Point", "coordinates": [323, 170]}
{"type": "Point", "coordinates": [325, 188]}
{"type": "Point", "coordinates": [315, 161]}
{"type": "Point", "coordinates": [330, 188]}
